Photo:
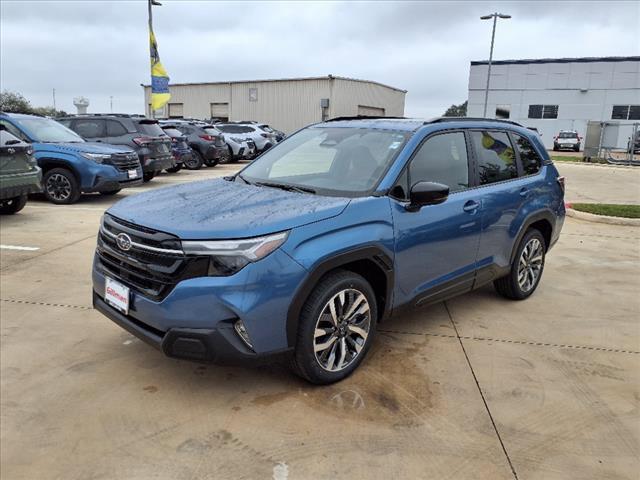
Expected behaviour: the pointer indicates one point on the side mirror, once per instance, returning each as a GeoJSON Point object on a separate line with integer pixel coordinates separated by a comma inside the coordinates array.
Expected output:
{"type": "Point", "coordinates": [427, 193]}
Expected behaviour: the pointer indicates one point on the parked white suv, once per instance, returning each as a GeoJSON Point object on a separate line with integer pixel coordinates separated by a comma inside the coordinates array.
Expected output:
{"type": "Point", "coordinates": [239, 146]}
{"type": "Point", "coordinates": [248, 131]}
{"type": "Point", "coordinates": [567, 139]}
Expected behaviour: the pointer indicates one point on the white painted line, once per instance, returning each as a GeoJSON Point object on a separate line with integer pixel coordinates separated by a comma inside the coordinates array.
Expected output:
{"type": "Point", "coordinates": [14, 247]}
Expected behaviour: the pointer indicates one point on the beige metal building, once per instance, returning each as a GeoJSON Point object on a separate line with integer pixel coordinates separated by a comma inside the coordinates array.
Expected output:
{"type": "Point", "coordinates": [286, 104]}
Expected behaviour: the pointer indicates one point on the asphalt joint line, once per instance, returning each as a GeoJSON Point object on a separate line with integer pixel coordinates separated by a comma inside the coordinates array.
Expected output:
{"type": "Point", "coordinates": [516, 342]}
{"type": "Point", "coordinates": [486, 406]}
{"type": "Point", "coordinates": [46, 304]}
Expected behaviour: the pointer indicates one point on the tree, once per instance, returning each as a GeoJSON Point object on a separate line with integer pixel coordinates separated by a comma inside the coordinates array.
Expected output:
{"type": "Point", "coordinates": [13, 102]}
{"type": "Point", "coordinates": [457, 110]}
{"type": "Point", "coordinates": [48, 112]}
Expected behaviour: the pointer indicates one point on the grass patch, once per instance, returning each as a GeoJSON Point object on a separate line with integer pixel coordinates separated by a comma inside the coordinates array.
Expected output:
{"type": "Point", "coordinates": [562, 158]}
{"type": "Point", "coordinates": [608, 209]}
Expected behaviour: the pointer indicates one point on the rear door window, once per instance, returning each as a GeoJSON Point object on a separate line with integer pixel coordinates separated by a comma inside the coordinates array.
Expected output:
{"type": "Point", "coordinates": [115, 129]}
{"type": "Point", "coordinates": [496, 157]}
{"type": "Point", "coordinates": [531, 161]}
{"type": "Point", "coordinates": [90, 128]}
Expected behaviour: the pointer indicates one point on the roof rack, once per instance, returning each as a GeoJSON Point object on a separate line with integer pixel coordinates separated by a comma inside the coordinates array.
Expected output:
{"type": "Point", "coordinates": [470, 119]}
{"type": "Point", "coordinates": [365, 117]}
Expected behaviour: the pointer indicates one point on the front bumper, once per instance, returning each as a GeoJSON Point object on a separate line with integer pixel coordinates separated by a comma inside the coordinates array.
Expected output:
{"type": "Point", "coordinates": [205, 309]}
{"type": "Point", "coordinates": [102, 184]}
{"type": "Point", "coordinates": [220, 345]}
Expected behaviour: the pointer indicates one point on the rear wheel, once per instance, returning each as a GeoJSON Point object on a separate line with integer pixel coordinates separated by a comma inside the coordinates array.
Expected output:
{"type": "Point", "coordinates": [12, 205]}
{"type": "Point", "coordinates": [175, 169]}
{"type": "Point", "coordinates": [211, 163]}
{"type": "Point", "coordinates": [60, 186]}
{"type": "Point", "coordinates": [195, 162]}
{"type": "Point", "coordinates": [336, 328]}
{"type": "Point", "coordinates": [526, 269]}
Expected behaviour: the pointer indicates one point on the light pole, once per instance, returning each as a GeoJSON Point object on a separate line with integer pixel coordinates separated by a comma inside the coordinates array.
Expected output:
{"type": "Point", "coordinates": [495, 17]}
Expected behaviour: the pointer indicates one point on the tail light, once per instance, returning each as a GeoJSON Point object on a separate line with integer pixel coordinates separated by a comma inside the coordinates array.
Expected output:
{"type": "Point", "coordinates": [141, 141]}
{"type": "Point", "coordinates": [174, 140]}
{"type": "Point", "coordinates": [208, 138]}
{"type": "Point", "coordinates": [561, 183]}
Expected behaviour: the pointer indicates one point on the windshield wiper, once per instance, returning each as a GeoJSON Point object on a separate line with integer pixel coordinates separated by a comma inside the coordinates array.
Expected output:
{"type": "Point", "coordinates": [287, 187]}
{"type": "Point", "coordinates": [243, 179]}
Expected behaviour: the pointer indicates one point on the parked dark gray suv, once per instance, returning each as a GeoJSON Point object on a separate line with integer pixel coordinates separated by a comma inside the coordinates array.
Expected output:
{"type": "Point", "coordinates": [142, 134]}
{"type": "Point", "coordinates": [208, 148]}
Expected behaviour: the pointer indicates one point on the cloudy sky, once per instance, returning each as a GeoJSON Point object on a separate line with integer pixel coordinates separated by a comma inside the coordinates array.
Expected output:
{"type": "Point", "coordinates": [100, 49]}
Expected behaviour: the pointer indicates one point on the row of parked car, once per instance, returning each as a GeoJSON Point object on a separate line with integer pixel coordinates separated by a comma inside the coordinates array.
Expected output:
{"type": "Point", "coordinates": [105, 153]}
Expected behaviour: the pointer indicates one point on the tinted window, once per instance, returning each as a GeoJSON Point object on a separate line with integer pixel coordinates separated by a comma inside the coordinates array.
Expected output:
{"type": "Point", "coordinates": [235, 128]}
{"type": "Point", "coordinates": [528, 157]}
{"type": "Point", "coordinates": [115, 129]}
{"type": "Point", "coordinates": [89, 128]}
{"type": "Point", "coordinates": [45, 130]}
{"type": "Point", "coordinates": [150, 128]}
{"type": "Point", "coordinates": [13, 130]}
{"type": "Point", "coordinates": [568, 135]}
{"type": "Point", "coordinates": [496, 159]}
{"type": "Point", "coordinates": [172, 132]}
{"type": "Point", "coordinates": [442, 159]}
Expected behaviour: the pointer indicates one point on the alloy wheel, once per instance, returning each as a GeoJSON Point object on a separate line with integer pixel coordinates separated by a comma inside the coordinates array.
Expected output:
{"type": "Point", "coordinates": [58, 187]}
{"type": "Point", "coordinates": [341, 330]}
{"type": "Point", "coordinates": [530, 264]}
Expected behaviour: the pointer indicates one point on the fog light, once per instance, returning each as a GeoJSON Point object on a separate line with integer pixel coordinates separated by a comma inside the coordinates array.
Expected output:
{"type": "Point", "coordinates": [242, 332]}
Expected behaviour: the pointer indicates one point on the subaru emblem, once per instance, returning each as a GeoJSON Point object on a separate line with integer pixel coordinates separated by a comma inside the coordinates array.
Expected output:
{"type": "Point", "coordinates": [124, 241]}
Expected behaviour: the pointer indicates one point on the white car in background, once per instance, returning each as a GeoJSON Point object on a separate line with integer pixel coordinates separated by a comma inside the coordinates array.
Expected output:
{"type": "Point", "coordinates": [248, 131]}
{"type": "Point", "coordinates": [239, 147]}
{"type": "Point", "coordinates": [567, 139]}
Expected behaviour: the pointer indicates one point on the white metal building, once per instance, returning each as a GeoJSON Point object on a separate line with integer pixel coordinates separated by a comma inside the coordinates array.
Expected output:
{"type": "Point", "coordinates": [559, 94]}
{"type": "Point", "coordinates": [285, 104]}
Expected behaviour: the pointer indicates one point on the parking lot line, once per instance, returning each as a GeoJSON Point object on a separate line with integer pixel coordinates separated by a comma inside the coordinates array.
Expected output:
{"type": "Point", "coordinates": [16, 247]}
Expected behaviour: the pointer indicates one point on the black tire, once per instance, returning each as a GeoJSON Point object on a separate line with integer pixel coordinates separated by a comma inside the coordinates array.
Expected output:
{"type": "Point", "coordinates": [175, 169]}
{"type": "Point", "coordinates": [148, 176]}
{"type": "Point", "coordinates": [576, 148]}
{"type": "Point", "coordinates": [211, 162]}
{"type": "Point", "coordinates": [60, 186]}
{"type": "Point", "coordinates": [555, 148]}
{"type": "Point", "coordinates": [304, 361]}
{"type": "Point", "coordinates": [108, 193]}
{"type": "Point", "coordinates": [12, 205]}
{"type": "Point", "coordinates": [196, 161]}
{"type": "Point", "coordinates": [228, 158]}
{"type": "Point", "coordinates": [509, 286]}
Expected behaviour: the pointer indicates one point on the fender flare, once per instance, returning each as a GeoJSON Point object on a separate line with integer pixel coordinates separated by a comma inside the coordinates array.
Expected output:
{"type": "Point", "coordinates": [45, 161]}
{"type": "Point", "coordinates": [531, 219]}
{"type": "Point", "coordinates": [368, 252]}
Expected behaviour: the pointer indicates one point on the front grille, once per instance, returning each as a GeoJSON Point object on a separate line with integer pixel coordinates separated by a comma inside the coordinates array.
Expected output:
{"type": "Point", "coordinates": [126, 161]}
{"type": "Point", "coordinates": [153, 267]}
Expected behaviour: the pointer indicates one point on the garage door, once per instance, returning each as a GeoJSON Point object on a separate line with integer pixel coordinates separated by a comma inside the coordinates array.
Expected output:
{"type": "Point", "coordinates": [364, 111]}
{"type": "Point", "coordinates": [176, 110]}
{"type": "Point", "coordinates": [220, 111]}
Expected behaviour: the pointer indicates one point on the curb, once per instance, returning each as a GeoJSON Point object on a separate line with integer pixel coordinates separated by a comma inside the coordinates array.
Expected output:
{"type": "Point", "coordinates": [593, 164]}
{"type": "Point", "coordinates": [590, 217]}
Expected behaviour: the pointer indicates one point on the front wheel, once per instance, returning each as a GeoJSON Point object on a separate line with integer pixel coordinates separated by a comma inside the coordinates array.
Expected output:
{"type": "Point", "coordinates": [526, 269]}
{"type": "Point", "coordinates": [60, 186]}
{"type": "Point", "coordinates": [175, 169]}
{"type": "Point", "coordinates": [148, 176]}
{"type": "Point", "coordinates": [211, 162]}
{"type": "Point", "coordinates": [336, 329]}
{"type": "Point", "coordinates": [12, 205]}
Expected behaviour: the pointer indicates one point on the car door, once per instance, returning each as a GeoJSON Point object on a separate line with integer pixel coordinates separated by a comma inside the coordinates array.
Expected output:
{"type": "Point", "coordinates": [91, 129]}
{"type": "Point", "coordinates": [436, 245]}
{"type": "Point", "coordinates": [503, 195]}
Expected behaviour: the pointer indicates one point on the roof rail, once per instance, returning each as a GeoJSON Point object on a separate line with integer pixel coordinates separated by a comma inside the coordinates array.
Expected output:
{"type": "Point", "coordinates": [364, 117]}
{"type": "Point", "coordinates": [125, 115]}
{"type": "Point", "coordinates": [470, 119]}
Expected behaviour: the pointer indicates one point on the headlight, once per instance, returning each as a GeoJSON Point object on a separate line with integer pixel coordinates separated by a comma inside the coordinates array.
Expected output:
{"type": "Point", "coordinates": [230, 256]}
{"type": "Point", "coordinates": [96, 157]}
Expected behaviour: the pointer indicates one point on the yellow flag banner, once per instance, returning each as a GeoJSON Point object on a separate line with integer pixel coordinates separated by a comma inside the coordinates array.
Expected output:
{"type": "Point", "coordinates": [159, 78]}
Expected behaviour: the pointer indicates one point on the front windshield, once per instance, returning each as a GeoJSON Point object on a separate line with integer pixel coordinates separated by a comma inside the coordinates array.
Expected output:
{"type": "Point", "coordinates": [329, 160]}
{"type": "Point", "coordinates": [45, 130]}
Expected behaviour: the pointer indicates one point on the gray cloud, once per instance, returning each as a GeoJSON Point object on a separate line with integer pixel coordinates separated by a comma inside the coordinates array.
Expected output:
{"type": "Point", "coordinates": [99, 49]}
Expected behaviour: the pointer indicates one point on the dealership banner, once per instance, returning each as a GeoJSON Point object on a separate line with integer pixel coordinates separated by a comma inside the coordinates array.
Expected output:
{"type": "Point", "coordinates": [159, 77]}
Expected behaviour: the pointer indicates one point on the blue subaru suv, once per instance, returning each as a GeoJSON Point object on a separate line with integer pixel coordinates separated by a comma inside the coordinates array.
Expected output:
{"type": "Point", "coordinates": [70, 165]}
{"type": "Point", "coordinates": [339, 227]}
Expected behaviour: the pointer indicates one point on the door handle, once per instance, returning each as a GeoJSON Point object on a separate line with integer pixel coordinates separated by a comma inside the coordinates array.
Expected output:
{"type": "Point", "coordinates": [471, 206]}
{"type": "Point", "coordinates": [99, 141]}
{"type": "Point", "coordinates": [524, 191]}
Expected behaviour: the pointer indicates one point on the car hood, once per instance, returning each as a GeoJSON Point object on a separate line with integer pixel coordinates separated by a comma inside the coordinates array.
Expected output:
{"type": "Point", "coordinates": [80, 147]}
{"type": "Point", "coordinates": [220, 209]}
